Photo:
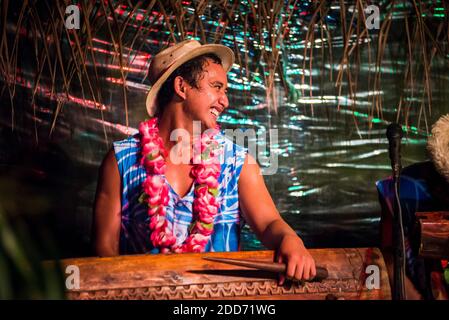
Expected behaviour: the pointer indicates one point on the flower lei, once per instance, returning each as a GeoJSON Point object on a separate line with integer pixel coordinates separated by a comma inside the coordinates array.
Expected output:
{"type": "Point", "coordinates": [205, 171]}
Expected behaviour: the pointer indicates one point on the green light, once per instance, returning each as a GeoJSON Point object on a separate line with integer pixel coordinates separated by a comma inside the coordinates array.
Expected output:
{"type": "Point", "coordinates": [364, 115]}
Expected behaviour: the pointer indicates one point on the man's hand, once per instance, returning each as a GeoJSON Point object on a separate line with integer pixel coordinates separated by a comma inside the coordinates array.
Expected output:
{"type": "Point", "coordinates": [300, 264]}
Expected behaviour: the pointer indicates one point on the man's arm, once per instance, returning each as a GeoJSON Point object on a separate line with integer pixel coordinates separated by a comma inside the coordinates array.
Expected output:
{"type": "Point", "coordinates": [261, 214]}
{"type": "Point", "coordinates": [107, 210]}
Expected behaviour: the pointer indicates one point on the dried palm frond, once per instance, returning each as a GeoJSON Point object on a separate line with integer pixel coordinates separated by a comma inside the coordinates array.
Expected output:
{"type": "Point", "coordinates": [68, 63]}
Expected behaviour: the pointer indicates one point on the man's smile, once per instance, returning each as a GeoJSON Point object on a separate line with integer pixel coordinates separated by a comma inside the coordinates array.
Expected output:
{"type": "Point", "coordinates": [215, 112]}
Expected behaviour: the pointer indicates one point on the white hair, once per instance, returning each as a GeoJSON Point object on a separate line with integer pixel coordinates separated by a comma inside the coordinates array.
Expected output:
{"type": "Point", "coordinates": [438, 146]}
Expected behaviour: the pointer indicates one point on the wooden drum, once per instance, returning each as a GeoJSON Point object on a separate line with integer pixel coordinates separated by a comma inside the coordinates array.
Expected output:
{"type": "Point", "coordinates": [354, 273]}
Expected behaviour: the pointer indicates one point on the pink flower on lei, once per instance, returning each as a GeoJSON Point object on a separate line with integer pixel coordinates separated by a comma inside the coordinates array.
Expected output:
{"type": "Point", "coordinates": [204, 229]}
{"type": "Point", "coordinates": [206, 150]}
{"type": "Point", "coordinates": [156, 187]}
{"type": "Point", "coordinates": [207, 174]}
{"type": "Point", "coordinates": [195, 243]}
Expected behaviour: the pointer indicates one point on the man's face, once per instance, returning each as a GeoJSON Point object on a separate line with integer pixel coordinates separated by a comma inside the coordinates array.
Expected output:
{"type": "Point", "coordinates": [209, 100]}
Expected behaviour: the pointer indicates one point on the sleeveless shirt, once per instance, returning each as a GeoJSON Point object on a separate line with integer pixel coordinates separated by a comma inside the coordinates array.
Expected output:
{"type": "Point", "coordinates": [135, 230]}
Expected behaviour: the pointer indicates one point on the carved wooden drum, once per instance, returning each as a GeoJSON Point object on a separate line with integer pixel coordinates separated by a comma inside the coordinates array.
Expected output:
{"type": "Point", "coordinates": [354, 273]}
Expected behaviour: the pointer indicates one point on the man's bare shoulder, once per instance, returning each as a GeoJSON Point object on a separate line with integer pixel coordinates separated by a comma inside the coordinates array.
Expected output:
{"type": "Point", "coordinates": [250, 169]}
{"type": "Point", "coordinates": [109, 161]}
{"type": "Point", "coordinates": [109, 173]}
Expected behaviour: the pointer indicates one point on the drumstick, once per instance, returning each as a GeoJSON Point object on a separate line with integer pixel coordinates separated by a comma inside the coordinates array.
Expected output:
{"type": "Point", "coordinates": [321, 272]}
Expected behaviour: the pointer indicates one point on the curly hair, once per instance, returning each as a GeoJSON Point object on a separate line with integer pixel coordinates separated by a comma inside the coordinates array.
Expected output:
{"type": "Point", "coordinates": [438, 146]}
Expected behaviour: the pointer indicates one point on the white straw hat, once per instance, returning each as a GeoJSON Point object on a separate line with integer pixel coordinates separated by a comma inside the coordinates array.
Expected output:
{"type": "Point", "coordinates": [168, 60]}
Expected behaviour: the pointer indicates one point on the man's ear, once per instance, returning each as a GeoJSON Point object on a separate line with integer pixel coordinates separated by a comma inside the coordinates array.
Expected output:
{"type": "Point", "coordinates": [180, 86]}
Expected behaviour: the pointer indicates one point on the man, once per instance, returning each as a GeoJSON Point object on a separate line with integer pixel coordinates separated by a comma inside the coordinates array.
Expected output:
{"type": "Point", "coordinates": [186, 206]}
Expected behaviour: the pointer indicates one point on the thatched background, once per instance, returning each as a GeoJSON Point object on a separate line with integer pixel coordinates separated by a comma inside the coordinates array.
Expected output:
{"type": "Point", "coordinates": [55, 63]}
{"type": "Point", "coordinates": [66, 94]}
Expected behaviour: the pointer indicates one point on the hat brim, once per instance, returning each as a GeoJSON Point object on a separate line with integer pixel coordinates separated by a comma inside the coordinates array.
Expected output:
{"type": "Point", "coordinates": [224, 53]}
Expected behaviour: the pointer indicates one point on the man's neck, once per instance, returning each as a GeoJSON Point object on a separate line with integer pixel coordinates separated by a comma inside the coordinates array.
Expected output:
{"type": "Point", "coordinates": [171, 119]}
